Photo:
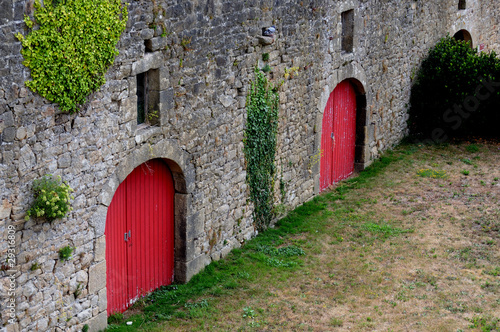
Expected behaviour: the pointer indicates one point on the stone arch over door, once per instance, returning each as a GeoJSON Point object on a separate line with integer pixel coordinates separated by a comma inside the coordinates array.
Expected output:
{"type": "Point", "coordinates": [464, 35]}
{"type": "Point", "coordinates": [186, 224]}
{"type": "Point", "coordinates": [355, 75]}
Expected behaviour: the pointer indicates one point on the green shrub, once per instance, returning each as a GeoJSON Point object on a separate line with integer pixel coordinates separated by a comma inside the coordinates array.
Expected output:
{"type": "Point", "coordinates": [52, 198]}
{"type": "Point", "coordinates": [70, 45]}
{"type": "Point", "coordinates": [455, 93]}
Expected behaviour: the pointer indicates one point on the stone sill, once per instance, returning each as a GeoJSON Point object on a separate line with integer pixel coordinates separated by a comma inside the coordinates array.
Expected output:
{"type": "Point", "coordinates": [144, 132]}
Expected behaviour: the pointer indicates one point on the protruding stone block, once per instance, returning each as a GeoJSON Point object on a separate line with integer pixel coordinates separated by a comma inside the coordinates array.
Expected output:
{"type": "Point", "coordinates": [100, 249]}
{"type": "Point", "coordinates": [97, 277]}
{"type": "Point", "coordinates": [98, 323]}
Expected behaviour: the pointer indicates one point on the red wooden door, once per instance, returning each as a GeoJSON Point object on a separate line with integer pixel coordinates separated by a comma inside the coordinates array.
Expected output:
{"type": "Point", "coordinates": [140, 235]}
{"type": "Point", "coordinates": [338, 136]}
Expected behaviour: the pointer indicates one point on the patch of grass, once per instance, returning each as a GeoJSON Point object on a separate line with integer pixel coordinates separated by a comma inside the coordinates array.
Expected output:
{"type": "Point", "coordinates": [493, 271]}
{"type": "Point", "coordinates": [486, 323]}
{"type": "Point", "coordinates": [472, 148]}
{"type": "Point", "coordinates": [465, 172]}
{"type": "Point", "coordinates": [336, 322]}
{"type": "Point", "coordinates": [430, 173]}
{"type": "Point", "coordinates": [384, 229]}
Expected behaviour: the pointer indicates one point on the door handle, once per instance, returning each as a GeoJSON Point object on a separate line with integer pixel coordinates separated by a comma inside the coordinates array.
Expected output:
{"type": "Point", "coordinates": [127, 236]}
{"type": "Point", "coordinates": [333, 136]}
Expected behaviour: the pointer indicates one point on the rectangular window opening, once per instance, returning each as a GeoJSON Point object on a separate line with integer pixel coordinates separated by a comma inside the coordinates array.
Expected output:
{"type": "Point", "coordinates": [462, 4]}
{"type": "Point", "coordinates": [148, 97]}
{"type": "Point", "coordinates": [348, 31]}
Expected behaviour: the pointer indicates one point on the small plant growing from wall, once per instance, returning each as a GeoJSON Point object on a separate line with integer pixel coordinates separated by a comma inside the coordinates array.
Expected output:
{"type": "Point", "coordinates": [260, 147]}
{"type": "Point", "coordinates": [69, 47]}
{"type": "Point", "coordinates": [65, 253]}
{"type": "Point", "coordinates": [52, 198]}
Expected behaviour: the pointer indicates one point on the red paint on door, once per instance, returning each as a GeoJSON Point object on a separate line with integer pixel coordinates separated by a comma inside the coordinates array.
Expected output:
{"type": "Point", "coordinates": [338, 136]}
{"type": "Point", "coordinates": [140, 235]}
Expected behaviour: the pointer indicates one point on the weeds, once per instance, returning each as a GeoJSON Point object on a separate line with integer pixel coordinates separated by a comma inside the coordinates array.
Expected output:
{"type": "Point", "coordinates": [430, 173]}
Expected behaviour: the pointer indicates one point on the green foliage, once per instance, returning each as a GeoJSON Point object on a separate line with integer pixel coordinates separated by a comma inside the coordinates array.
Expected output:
{"type": "Point", "coordinates": [260, 147]}
{"type": "Point", "coordinates": [85, 328]}
{"type": "Point", "coordinates": [265, 56]}
{"type": "Point", "coordinates": [456, 92]}
{"type": "Point", "coordinates": [486, 323]}
{"type": "Point", "coordinates": [431, 173]}
{"type": "Point", "coordinates": [52, 198]}
{"type": "Point", "coordinates": [35, 266]}
{"type": "Point", "coordinates": [115, 318]}
{"type": "Point", "coordinates": [66, 252]}
{"type": "Point", "coordinates": [70, 45]}
{"type": "Point", "coordinates": [472, 148]}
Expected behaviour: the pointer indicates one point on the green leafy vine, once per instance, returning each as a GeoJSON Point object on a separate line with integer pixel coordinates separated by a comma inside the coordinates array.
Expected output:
{"type": "Point", "coordinates": [260, 147]}
{"type": "Point", "coordinates": [69, 47]}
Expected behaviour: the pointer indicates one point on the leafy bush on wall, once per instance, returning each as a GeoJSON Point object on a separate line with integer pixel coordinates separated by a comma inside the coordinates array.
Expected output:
{"type": "Point", "coordinates": [69, 47]}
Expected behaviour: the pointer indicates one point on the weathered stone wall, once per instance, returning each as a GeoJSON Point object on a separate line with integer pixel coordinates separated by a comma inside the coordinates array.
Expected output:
{"type": "Point", "coordinates": [205, 53]}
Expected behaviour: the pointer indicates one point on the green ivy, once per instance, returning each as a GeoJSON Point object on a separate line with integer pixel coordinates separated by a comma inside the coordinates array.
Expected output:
{"type": "Point", "coordinates": [69, 47]}
{"type": "Point", "coordinates": [260, 147]}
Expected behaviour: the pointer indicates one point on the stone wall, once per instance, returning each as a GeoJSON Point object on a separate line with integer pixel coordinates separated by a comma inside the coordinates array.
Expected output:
{"type": "Point", "coordinates": [202, 54]}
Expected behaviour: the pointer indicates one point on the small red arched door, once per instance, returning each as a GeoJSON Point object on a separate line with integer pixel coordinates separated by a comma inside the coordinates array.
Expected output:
{"type": "Point", "coordinates": [140, 235]}
{"type": "Point", "coordinates": [338, 136]}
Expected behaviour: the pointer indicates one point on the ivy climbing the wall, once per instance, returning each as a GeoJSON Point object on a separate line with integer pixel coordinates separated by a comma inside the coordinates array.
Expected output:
{"type": "Point", "coordinates": [260, 147]}
{"type": "Point", "coordinates": [69, 47]}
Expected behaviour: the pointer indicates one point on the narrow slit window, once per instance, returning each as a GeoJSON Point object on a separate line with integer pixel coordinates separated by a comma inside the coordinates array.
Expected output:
{"type": "Point", "coordinates": [148, 98]}
{"type": "Point", "coordinates": [348, 31]}
{"type": "Point", "coordinates": [462, 4]}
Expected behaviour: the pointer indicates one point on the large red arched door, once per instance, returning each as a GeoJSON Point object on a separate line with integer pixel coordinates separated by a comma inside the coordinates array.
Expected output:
{"type": "Point", "coordinates": [140, 235]}
{"type": "Point", "coordinates": [338, 136]}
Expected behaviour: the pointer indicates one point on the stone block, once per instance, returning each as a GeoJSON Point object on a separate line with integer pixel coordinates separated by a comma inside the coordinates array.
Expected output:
{"type": "Point", "coordinates": [6, 11]}
{"type": "Point", "coordinates": [100, 249]}
{"type": "Point", "coordinates": [150, 61]}
{"type": "Point", "coordinates": [97, 277]}
{"type": "Point", "coordinates": [128, 109]}
{"type": "Point", "coordinates": [5, 209]}
{"type": "Point", "coordinates": [186, 270]}
{"type": "Point", "coordinates": [98, 220]}
{"type": "Point", "coordinates": [99, 322]}
{"type": "Point", "coordinates": [103, 300]}
{"type": "Point", "coordinates": [84, 315]}
{"type": "Point", "coordinates": [155, 44]}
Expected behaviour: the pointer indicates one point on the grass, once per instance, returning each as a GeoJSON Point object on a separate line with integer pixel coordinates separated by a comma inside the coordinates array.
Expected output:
{"type": "Point", "coordinates": [387, 250]}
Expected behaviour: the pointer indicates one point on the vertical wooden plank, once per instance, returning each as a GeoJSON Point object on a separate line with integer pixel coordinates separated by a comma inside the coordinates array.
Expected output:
{"type": "Point", "coordinates": [116, 263]}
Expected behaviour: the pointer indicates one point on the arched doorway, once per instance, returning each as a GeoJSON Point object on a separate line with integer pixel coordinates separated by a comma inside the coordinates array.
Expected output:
{"type": "Point", "coordinates": [343, 133]}
{"type": "Point", "coordinates": [140, 235]}
{"type": "Point", "coordinates": [338, 135]}
{"type": "Point", "coordinates": [463, 35]}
